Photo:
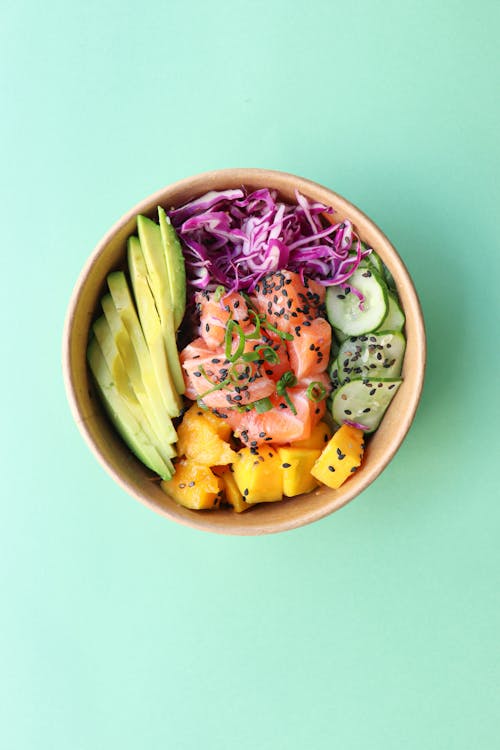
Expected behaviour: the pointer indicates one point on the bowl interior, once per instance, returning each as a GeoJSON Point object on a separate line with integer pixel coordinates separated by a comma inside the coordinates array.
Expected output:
{"type": "Point", "coordinates": [112, 452]}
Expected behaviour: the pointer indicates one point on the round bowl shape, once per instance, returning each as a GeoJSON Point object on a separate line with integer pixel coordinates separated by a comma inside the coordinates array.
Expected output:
{"type": "Point", "coordinates": [114, 454]}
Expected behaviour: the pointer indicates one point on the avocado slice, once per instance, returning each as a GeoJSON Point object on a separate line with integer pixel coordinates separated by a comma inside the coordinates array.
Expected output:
{"type": "Point", "coordinates": [152, 247]}
{"type": "Point", "coordinates": [126, 329]}
{"type": "Point", "coordinates": [175, 266]}
{"type": "Point", "coordinates": [151, 326]}
{"type": "Point", "coordinates": [137, 402]}
{"type": "Point", "coordinates": [126, 424]}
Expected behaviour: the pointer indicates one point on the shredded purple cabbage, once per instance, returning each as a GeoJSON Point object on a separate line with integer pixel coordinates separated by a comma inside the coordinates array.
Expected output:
{"type": "Point", "coordinates": [235, 238]}
{"type": "Point", "coordinates": [356, 424]}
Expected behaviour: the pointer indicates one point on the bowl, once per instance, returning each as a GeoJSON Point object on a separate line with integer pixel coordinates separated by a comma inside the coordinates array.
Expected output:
{"type": "Point", "coordinates": [114, 455]}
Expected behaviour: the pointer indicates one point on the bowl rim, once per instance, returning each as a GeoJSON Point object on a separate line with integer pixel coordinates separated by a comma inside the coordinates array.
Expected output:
{"type": "Point", "coordinates": [195, 519]}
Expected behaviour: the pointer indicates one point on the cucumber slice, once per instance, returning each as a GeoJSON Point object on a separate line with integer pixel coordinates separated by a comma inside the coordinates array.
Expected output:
{"type": "Point", "coordinates": [333, 374]}
{"type": "Point", "coordinates": [343, 306]}
{"type": "Point", "coordinates": [389, 279]}
{"type": "Point", "coordinates": [364, 401]}
{"type": "Point", "coordinates": [395, 318]}
{"type": "Point", "coordinates": [340, 336]}
{"type": "Point", "coordinates": [375, 262]}
{"type": "Point", "coordinates": [372, 356]}
{"type": "Point", "coordinates": [334, 349]}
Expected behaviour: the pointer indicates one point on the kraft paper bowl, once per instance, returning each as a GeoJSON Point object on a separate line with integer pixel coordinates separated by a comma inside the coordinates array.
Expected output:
{"type": "Point", "coordinates": [114, 455]}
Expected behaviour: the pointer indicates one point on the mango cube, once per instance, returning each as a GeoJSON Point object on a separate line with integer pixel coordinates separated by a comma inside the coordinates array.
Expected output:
{"type": "Point", "coordinates": [341, 457]}
{"type": "Point", "coordinates": [258, 476]}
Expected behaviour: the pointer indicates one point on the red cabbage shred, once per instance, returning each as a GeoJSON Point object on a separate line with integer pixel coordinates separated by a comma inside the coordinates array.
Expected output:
{"type": "Point", "coordinates": [235, 238]}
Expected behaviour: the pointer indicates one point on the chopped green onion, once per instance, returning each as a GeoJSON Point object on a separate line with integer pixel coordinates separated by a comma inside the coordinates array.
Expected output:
{"type": "Point", "coordinates": [262, 405]}
{"type": "Point", "coordinates": [228, 341]}
{"type": "Point", "coordinates": [250, 356]}
{"type": "Point", "coordinates": [219, 292]}
{"type": "Point", "coordinates": [228, 338]}
{"type": "Point", "coordinates": [281, 334]}
{"type": "Point", "coordinates": [270, 355]}
{"type": "Point", "coordinates": [316, 391]}
{"type": "Point", "coordinates": [235, 375]}
{"type": "Point", "coordinates": [256, 333]}
{"type": "Point", "coordinates": [287, 380]}
{"type": "Point", "coordinates": [241, 344]}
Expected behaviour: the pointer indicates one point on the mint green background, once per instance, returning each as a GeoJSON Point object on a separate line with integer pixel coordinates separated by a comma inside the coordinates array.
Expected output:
{"type": "Point", "coordinates": [375, 628]}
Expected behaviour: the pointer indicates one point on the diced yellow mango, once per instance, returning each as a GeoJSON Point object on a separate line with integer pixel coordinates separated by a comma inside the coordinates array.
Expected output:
{"type": "Point", "coordinates": [219, 425]}
{"type": "Point", "coordinates": [341, 457]}
{"type": "Point", "coordinates": [194, 486]}
{"type": "Point", "coordinates": [199, 438]}
{"type": "Point", "coordinates": [231, 492]}
{"type": "Point", "coordinates": [318, 439]}
{"type": "Point", "coordinates": [296, 465]}
{"type": "Point", "coordinates": [258, 475]}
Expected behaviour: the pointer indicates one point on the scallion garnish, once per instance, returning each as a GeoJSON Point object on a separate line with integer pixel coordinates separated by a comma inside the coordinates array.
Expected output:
{"type": "Point", "coordinates": [256, 333]}
{"type": "Point", "coordinates": [262, 405]}
{"type": "Point", "coordinates": [287, 380]}
{"type": "Point", "coordinates": [219, 293]}
{"type": "Point", "coordinates": [215, 386]}
{"type": "Point", "coordinates": [316, 391]}
{"type": "Point", "coordinates": [282, 334]}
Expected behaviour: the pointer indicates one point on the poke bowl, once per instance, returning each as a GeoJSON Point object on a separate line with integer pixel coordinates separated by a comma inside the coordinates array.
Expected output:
{"type": "Point", "coordinates": [321, 383]}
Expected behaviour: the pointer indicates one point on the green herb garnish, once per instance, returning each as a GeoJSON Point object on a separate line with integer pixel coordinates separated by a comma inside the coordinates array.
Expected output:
{"type": "Point", "coordinates": [316, 391]}
{"type": "Point", "coordinates": [219, 293]}
{"type": "Point", "coordinates": [287, 380]}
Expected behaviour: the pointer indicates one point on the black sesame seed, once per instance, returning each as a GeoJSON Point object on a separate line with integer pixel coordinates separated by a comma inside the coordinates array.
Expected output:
{"type": "Point", "coordinates": [331, 468]}
{"type": "Point", "coordinates": [286, 466]}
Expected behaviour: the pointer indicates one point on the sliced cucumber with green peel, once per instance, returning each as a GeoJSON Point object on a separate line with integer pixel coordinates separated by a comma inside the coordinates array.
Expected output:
{"type": "Point", "coordinates": [340, 336]}
{"type": "Point", "coordinates": [374, 261]}
{"type": "Point", "coordinates": [333, 374]}
{"type": "Point", "coordinates": [344, 309]}
{"type": "Point", "coordinates": [364, 401]}
{"type": "Point", "coordinates": [389, 279]}
{"type": "Point", "coordinates": [372, 355]}
{"type": "Point", "coordinates": [395, 319]}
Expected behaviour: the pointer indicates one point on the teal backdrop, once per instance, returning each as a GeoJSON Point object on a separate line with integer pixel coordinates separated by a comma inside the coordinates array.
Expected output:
{"type": "Point", "coordinates": [374, 628]}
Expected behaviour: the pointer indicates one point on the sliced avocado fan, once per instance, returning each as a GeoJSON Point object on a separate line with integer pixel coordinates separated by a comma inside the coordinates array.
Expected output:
{"type": "Point", "coordinates": [158, 279]}
{"type": "Point", "coordinates": [151, 326]}
{"type": "Point", "coordinates": [131, 430]}
{"type": "Point", "coordinates": [176, 268]}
